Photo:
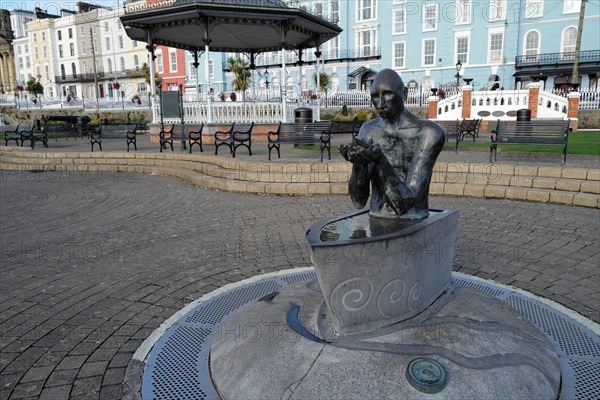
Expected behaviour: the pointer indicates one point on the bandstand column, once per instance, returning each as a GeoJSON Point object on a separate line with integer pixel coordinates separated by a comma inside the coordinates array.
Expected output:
{"type": "Point", "coordinates": [318, 55]}
{"type": "Point", "coordinates": [284, 83]}
{"type": "Point", "coordinates": [150, 48]}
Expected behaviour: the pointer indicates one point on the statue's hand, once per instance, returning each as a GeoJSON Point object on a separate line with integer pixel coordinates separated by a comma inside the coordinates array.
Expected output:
{"type": "Point", "coordinates": [359, 152]}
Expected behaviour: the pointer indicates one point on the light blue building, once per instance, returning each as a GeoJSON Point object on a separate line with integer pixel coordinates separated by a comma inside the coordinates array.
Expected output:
{"type": "Point", "coordinates": [499, 43]}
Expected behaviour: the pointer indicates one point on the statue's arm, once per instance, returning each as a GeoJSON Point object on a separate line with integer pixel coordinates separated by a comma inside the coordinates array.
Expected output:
{"type": "Point", "coordinates": [402, 196]}
{"type": "Point", "coordinates": [359, 184]}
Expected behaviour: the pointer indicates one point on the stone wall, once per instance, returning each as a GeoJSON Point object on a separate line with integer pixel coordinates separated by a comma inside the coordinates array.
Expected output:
{"type": "Point", "coordinates": [589, 119]}
{"type": "Point", "coordinates": [24, 116]}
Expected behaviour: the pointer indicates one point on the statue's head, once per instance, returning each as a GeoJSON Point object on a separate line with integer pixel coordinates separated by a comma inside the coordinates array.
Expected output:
{"type": "Point", "coordinates": [387, 93]}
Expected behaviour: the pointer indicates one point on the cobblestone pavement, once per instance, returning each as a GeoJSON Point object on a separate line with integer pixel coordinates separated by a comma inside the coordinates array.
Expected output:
{"type": "Point", "coordinates": [91, 264]}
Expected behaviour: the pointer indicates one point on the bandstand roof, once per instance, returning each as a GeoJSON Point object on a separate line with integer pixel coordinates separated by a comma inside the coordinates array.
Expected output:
{"type": "Point", "coordinates": [232, 25]}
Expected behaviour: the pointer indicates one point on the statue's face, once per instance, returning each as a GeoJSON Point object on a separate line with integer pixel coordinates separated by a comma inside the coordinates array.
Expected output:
{"type": "Point", "coordinates": [387, 97]}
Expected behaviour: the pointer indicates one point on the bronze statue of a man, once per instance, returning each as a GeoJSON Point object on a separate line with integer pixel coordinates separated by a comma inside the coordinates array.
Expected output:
{"type": "Point", "coordinates": [393, 155]}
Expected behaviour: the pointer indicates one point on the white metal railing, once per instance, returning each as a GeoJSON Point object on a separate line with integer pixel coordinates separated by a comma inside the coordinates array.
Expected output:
{"type": "Point", "coordinates": [229, 112]}
{"type": "Point", "coordinates": [362, 99]}
{"type": "Point", "coordinates": [589, 99]}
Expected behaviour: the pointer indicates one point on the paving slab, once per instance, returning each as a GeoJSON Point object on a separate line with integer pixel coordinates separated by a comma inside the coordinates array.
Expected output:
{"type": "Point", "coordinates": [91, 263]}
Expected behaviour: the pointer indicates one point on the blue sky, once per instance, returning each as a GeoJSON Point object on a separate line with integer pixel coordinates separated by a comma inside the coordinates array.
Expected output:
{"type": "Point", "coordinates": [51, 6]}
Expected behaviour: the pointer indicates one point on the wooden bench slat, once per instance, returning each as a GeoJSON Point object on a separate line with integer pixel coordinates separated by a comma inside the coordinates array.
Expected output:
{"type": "Point", "coordinates": [301, 133]}
{"type": "Point", "coordinates": [534, 132]}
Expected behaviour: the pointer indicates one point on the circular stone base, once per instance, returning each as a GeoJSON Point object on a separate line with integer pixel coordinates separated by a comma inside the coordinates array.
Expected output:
{"type": "Point", "coordinates": [280, 347]}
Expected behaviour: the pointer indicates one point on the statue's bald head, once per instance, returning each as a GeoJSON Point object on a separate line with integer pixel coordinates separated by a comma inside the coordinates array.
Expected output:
{"type": "Point", "coordinates": [387, 94]}
{"type": "Point", "coordinates": [388, 79]}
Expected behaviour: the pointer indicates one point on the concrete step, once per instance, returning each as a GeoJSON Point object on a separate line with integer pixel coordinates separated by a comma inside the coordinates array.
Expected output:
{"type": "Point", "coordinates": [562, 185]}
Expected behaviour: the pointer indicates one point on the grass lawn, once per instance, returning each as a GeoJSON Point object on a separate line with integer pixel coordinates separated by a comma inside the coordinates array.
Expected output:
{"type": "Point", "coordinates": [579, 143]}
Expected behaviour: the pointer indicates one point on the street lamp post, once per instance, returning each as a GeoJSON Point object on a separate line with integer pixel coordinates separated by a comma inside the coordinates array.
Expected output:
{"type": "Point", "coordinates": [267, 82]}
{"type": "Point", "coordinates": [123, 99]}
{"type": "Point", "coordinates": [457, 76]}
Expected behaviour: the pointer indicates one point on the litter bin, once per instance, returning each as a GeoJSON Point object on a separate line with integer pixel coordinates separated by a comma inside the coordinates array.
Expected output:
{"type": "Point", "coordinates": [524, 114]}
{"type": "Point", "coordinates": [303, 115]}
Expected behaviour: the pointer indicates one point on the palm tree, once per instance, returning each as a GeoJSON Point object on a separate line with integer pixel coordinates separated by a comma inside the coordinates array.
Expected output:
{"type": "Point", "coordinates": [146, 73]}
{"type": "Point", "coordinates": [325, 83]}
{"type": "Point", "coordinates": [35, 88]}
{"type": "Point", "coordinates": [242, 79]}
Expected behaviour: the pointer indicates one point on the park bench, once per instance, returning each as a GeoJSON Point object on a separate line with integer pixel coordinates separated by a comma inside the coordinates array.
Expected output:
{"type": "Point", "coordinates": [10, 133]}
{"type": "Point", "coordinates": [534, 132]}
{"type": "Point", "coordinates": [451, 131]}
{"type": "Point", "coordinates": [109, 132]}
{"type": "Point", "coordinates": [345, 127]}
{"type": "Point", "coordinates": [28, 132]}
{"type": "Point", "coordinates": [469, 127]}
{"type": "Point", "coordinates": [191, 134]}
{"type": "Point", "coordinates": [70, 124]}
{"type": "Point", "coordinates": [240, 134]}
{"type": "Point", "coordinates": [301, 133]}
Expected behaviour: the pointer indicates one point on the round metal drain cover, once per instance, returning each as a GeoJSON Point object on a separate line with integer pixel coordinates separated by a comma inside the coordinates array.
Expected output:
{"type": "Point", "coordinates": [426, 375]}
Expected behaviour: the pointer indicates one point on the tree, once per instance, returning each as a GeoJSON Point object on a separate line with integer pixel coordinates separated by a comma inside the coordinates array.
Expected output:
{"type": "Point", "coordinates": [242, 76]}
{"type": "Point", "coordinates": [325, 83]}
{"type": "Point", "coordinates": [35, 88]}
{"type": "Point", "coordinates": [146, 73]}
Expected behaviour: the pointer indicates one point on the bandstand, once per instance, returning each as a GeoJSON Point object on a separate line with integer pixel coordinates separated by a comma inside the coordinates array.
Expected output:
{"type": "Point", "coordinates": [236, 26]}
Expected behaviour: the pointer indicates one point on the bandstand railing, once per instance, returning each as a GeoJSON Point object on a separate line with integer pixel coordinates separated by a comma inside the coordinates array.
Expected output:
{"type": "Point", "coordinates": [229, 111]}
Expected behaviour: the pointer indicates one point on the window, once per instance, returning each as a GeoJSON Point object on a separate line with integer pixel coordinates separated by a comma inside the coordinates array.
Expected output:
{"type": "Point", "coordinates": [122, 62]}
{"type": "Point", "coordinates": [82, 47]}
{"type": "Point", "coordinates": [495, 40]}
{"type": "Point", "coordinates": [497, 10]}
{"type": "Point", "coordinates": [106, 28]}
{"type": "Point", "coordinates": [463, 11]}
{"type": "Point", "coordinates": [19, 49]}
{"type": "Point", "coordinates": [532, 46]}
{"type": "Point", "coordinates": [173, 61]}
{"type": "Point", "coordinates": [47, 72]}
{"type": "Point", "coordinates": [35, 53]}
{"type": "Point", "coordinates": [70, 33]}
{"type": "Point", "coordinates": [534, 8]}
{"type": "Point", "coordinates": [399, 24]}
{"type": "Point", "coordinates": [134, 44]}
{"type": "Point", "coordinates": [81, 31]}
{"type": "Point", "coordinates": [193, 71]}
{"type": "Point", "coordinates": [569, 38]}
{"type": "Point", "coordinates": [159, 63]}
{"type": "Point", "coordinates": [136, 63]}
{"type": "Point", "coordinates": [74, 70]}
{"type": "Point", "coordinates": [462, 48]}
{"type": "Point", "coordinates": [142, 87]}
{"type": "Point", "coordinates": [63, 74]}
{"type": "Point", "coordinates": [399, 56]}
{"type": "Point", "coordinates": [85, 67]}
{"type": "Point", "coordinates": [34, 37]}
{"type": "Point", "coordinates": [366, 10]}
{"type": "Point", "coordinates": [107, 43]}
{"type": "Point", "coordinates": [366, 40]}
{"type": "Point", "coordinates": [93, 29]}
{"type": "Point", "coordinates": [109, 64]}
{"type": "Point", "coordinates": [44, 52]}
{"type": "Point", "coordinates": [318, 9]}
{"type": "Point", "coordinates": [72, 48]}
{"type": "Point", "coordinates": [334, 47]}
{"type": "Point", "coordinates": [20, 62]}
{"type": "Point", "coordinates": [334, 11]}
{"type": "Point", "coordinates": [430, 17]}
{"type": "Point", "coordinates": [43, 36]}
{"type": "Point", "coordinates": [428, 52]}
{"type": "Point", "coordinates": [571, 6]}
{"type": "Point", "coordinates": [27, 62]}
{"type": "Point", "coordinates": [211, 69]}
{"type": "Point", "coordinates": [37, 70]}
{"type": "Point", "coordinates": [121, 44]}
{"type": "Point", "coordinates": [59, 34]}
{"type": "Point", "coordinates": [60, 51]}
